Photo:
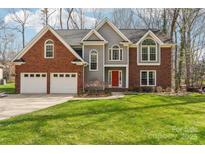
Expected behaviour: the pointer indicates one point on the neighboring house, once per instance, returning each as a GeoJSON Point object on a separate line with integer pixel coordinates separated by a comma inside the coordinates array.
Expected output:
{"type": "Point", "coordinates": [64, 61]}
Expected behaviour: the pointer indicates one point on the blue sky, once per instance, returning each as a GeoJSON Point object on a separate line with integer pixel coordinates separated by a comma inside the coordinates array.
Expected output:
{"type": "Point", "coordinates": [35, 25]}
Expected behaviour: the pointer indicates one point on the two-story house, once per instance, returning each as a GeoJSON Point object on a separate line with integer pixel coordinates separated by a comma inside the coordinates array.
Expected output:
{"type": "Point", "coordinates": [64, 61]}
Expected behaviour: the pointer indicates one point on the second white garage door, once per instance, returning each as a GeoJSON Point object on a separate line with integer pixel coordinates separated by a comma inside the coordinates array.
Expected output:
{"type": "Point", "coordinates": [63, 83]}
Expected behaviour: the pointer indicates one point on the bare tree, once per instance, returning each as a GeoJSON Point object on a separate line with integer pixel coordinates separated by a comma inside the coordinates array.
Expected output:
{"type": "Point", "coordinates": [123, 18]}
{"type": "Point", "coordinates": [46, 14]}
{"type": "Point", "coordinates": [98, 15]}
{"type": "Point", "coordinates": [60, 17]}
{"type": "Point", "coordinates": [69, 16]}
{"type": "Point", "coordinates": [21, 21]}
{"type": "Point", "coordinates": [150, 18]}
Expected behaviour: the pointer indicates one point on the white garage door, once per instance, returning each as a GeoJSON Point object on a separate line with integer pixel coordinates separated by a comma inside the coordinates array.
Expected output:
{"type": "Point", "coordinates": [33, 83]}
{"type": "Point", "coordinates": [63, 83]}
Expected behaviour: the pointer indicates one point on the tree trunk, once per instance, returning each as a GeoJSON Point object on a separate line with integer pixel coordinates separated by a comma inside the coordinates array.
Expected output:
{"type": "Point", "coordinates": [23, 35]}
{"type": "Point", "coordinates": [188, 59]}
{"type": "Point", "coordinates": [61, 23]}
{"type": "Point", "coordinates": [164, 28]}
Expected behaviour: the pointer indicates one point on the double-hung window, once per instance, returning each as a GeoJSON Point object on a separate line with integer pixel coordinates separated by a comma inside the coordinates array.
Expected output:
{"type": "Point", "coordinates": [115, 53]}
{"type": "Point", "coordinates": [148, 78]}
{"type": "Point", "coordinates": [148, 51]}
{"type": "Point", "coordinates": [49, 49]}
{"type": "Point", "coordinates": [93, 62]}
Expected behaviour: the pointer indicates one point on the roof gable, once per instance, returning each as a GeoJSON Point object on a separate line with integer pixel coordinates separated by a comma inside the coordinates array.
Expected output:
{"type": "Point", "coordinates": [38, 36]}
{"type": "Point", "coordinates": [150, 33]}
{"type": "Point", "coordinates": [106, 21]}
{"type": "Point", "coordinates": [94, 33]}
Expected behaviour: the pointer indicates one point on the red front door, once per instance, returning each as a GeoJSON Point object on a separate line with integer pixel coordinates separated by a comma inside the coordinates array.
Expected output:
{"type": "Point", "coordinates": [115, 78]}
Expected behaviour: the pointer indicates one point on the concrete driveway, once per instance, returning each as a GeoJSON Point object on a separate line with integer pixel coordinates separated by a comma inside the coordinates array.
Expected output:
{"type": "Point", "coordinates": [20, 104]}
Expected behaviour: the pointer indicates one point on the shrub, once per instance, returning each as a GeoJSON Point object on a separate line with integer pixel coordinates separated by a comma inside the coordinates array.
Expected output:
{"type": "Point", "coordinates": [193, 89]}
{"type": "Point", "coordinates": [147, 89]}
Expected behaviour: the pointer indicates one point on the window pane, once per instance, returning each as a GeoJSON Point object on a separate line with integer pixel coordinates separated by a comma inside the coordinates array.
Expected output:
{"type": "Point", "coordinates": [93, 61]}
{"type": "Point", "coordinates": [151, 78]}
{"type": "Point", "coordinates": [152, 53]}
{"type": "Point", "coordinates": [49, 50]}
{"type": "Point", "coordinates": [148, 42]}
{"type": "Point", "coordinates": [144, 78]}
{"type": "Point", "coordinates": [115, 55]}
{"type": "Point", "coordinates": [144, 53]}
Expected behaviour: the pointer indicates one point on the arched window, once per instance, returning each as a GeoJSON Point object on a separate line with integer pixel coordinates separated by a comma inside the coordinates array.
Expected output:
{"type": "Point", "coordinates": [148, 50]}
{"type": "Point", "coordinates": [49, 49]}
{"type": "Point", "coordinates": [115, 53]}
{"type": "Point", "coordinates": [93, 60]}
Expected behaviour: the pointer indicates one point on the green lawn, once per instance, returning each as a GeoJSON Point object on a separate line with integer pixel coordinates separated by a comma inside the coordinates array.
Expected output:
{"type": "Point", "coordinates": [8, 88]}
{"type": "Point", "coordinates": [135, 119]}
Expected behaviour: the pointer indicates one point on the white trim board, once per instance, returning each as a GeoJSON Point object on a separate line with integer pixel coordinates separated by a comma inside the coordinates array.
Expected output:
{"type": "Point", "coordinates": [94, 42]}
{"type": "Point", "coordinates": [39, 35]}
{"type": "Point", "coordinates": [115, 65]}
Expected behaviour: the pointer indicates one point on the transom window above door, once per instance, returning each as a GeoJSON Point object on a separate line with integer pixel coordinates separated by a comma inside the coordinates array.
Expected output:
{"type": "Point", "coordinates": [115, 53]}
{"type": "Point", "coordinates": [148, 50]}
{"type": "Point", "coordinates": [49, 49]}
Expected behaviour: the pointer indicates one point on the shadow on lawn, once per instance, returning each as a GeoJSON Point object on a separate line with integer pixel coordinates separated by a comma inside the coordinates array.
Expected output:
{"type": "Point", "coordinates": [100, 111]}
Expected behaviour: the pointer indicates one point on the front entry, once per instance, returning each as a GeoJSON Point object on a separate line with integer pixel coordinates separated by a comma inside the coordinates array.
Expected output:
{"type": "Point", "coordinates": [116, 78]}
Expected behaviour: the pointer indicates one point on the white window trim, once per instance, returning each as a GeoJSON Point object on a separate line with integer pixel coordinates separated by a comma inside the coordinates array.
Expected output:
{"type": "Point", "coordinates": [155, 76]}
{"type": "Point", "coordinates": [111, 49]}
{"type": "Point", "coordinates": [120, 77]}
{"type": "Point", "coordinates": [149, 46]}
{"type": "Point", "coordinates": [45, 48]}
{"type": "Point", "coordinates": [148, 63]}
{"type": "Point", "coordinates": [90, 60]}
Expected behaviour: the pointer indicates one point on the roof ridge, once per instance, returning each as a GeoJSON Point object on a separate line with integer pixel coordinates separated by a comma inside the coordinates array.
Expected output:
{"type": "Point", "coordinates": [73, 29]}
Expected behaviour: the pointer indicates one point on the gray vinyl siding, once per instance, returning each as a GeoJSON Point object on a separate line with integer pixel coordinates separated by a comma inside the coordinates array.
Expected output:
{"type": "Point", "coordinates": [123, 74]}
{"type": "Point", "coordinates": [93, 75]}
{"type": "Point", "coordinates": [93, 37]}
{"type": "Point", "coordinates": [113, 38]}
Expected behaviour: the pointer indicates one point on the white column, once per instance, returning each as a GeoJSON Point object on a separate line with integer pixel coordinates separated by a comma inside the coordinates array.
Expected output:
{"type": "Point", "coordinates": [127, 76]}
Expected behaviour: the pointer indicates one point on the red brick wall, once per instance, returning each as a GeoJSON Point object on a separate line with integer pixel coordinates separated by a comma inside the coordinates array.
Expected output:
{"type": "Point", "coordinates": [35, 61]}
{"type": "Point", "coordinates": [163, 71]}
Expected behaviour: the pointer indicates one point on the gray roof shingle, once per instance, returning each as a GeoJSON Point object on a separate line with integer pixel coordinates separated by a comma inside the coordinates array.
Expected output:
{"type": "Point", "coordinates": [74, 36]}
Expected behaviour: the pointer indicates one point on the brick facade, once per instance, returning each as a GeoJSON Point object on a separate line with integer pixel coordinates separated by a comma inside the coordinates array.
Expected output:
{"type": "Point", "coordinates": [163, 71]}
{"type": "Point", "coordinates": [35, 61]}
